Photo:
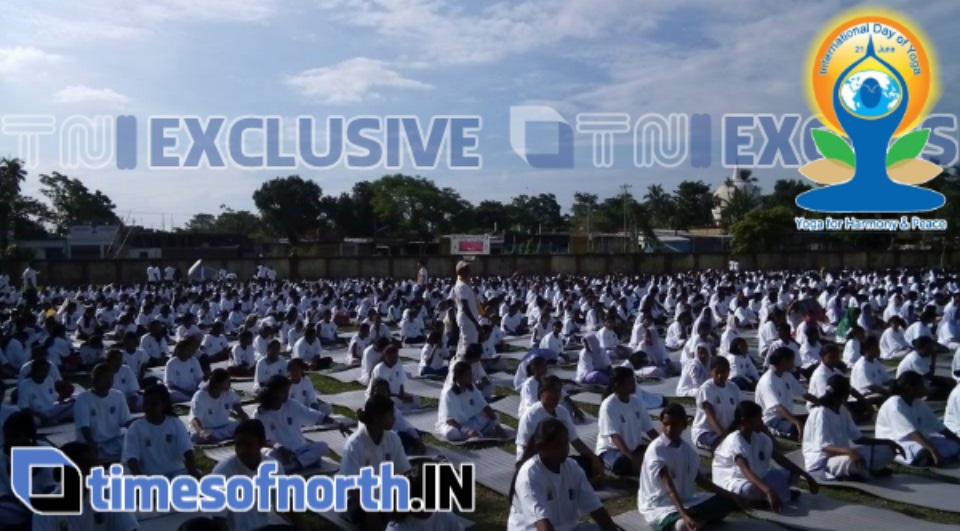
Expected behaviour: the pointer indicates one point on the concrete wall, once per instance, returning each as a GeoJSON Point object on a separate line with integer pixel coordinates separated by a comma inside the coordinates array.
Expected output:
{"type": "Point", "coordinates": [126, 271]}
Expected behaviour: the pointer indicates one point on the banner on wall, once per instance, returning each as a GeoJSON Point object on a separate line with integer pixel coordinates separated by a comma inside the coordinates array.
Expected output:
{"type": "Point", "coordinates": [467, 244]}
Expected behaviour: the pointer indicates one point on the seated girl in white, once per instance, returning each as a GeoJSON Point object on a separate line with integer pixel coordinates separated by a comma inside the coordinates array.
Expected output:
{"type": "Point", "coordinates": [869, 375]}
{"type": "Point", "coordinates": [372, 444]}
{"type": "Point", "coordinates": [717, 401]}
{"type": "Point", "coordinates": [433, 357]}
{"type": "Point", "coordinates": [893, 343]}
{"type": "Point", "coordinates": [743, 371]}
{"type": "Point", "coordinates": [833, 446]}
{"type": "Point", "coordinates": [389, 369]}
{"type": "Point", "coordinates": [546, 408]}
{"type": "Point", "coordinates": [742, 464]}
{"type": "Point", "coordinates": [183, 373]}
{"type": "Point", "coordinates": [411, 437]}
{"type": "Point", "coordinates": [38, 395]}
{"type": "Point", "coordinates": [536, 370]}
{"type": "Point", "coordinates": [464, 413]}
{"type": "Point", "coordinates": [593, 366]}
{"type": "Point", "coordinates": [625, 427]}
{"type": "Point", "coordinates": [210, 409]}
{"type": "Point", "coordinates": [550, 490]}
{"type": "Point", "coordinates": [695, 372]}
{"type": "Point", "coordinates": [269, 366]}
{"type": "Point", "coordinates": [853, 347]}
{"type": "Point", "coordinates": [951, 418]}
{"type": "Point", "coordinates": [125, 380]}
{"type": "Point", "coordinates": [677, 332]}
{"type": "Point", "coordinates": [158, 444]}
{"type": "Point", "coordinates": [907, 419]}
{"type": "Point", "coordinates": [473, 357]}
{"type": "Point", "coordinates": [302, 389]}
{"type": "Point", "coordinates": [243, 357]}
{"type": "Point", "coordinates": [101, 415]}
{"type": "Point", "coordinates": [776, 392]}
{"type": "Point", "coordinates": [284, 419]}
{"type": "Point", "coordinates": [670, 469]}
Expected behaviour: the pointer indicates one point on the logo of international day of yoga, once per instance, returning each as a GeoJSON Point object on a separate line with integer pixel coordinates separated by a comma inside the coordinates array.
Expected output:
{"type": "Point", "coordinates": [872, 79]}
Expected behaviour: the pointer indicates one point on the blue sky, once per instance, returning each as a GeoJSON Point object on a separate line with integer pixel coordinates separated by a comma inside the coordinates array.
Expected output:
{"type": "Point", "coordinates": [421, 57]}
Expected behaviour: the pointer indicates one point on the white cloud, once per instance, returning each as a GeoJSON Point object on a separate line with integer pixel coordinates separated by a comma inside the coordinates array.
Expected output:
{"type": "Point", "coordinates": [85, 94]}
{"type": "Point", "coordinates": [24, 60]}
{"type": "Point", "coordinates": [351, 81]}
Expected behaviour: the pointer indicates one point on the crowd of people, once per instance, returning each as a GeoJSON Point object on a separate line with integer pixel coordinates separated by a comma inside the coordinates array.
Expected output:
{"type": "Point", "coordinates": [766, 357]}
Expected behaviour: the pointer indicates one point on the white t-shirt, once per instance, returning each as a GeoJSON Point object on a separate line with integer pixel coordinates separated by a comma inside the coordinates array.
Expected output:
{"type": "Point", "coordinates": [105, 416]}
{"type": "Point", "coordinates": [250, 520]}
{"type": "Point", "coordinates": [951, 419]}
{"type": "Point", "coordinates": [159, 448]}
{"type": "Point", "coordinates": [360, 451]}
{"type": "Point", "coordinates": [37, 396]}
{"type": "Point", "coordinates": [914, 362]}
{"type": "Point", "coordinates": [266, 369]}
{"type": "Point", "coordinates": [466, 297]}
{"type": "Point", "coordinates": [212, 344]}
{"type": "Point", "coordinates": [212, 412]}
{"type": "Point", "coordinates": [542, 494]}
{"type": "Point", "coordinates": [758, 452]}
{"type": "Point", "coordinates": [630, 420]}
{"type": "Point", "coordinates": [532, 418]}
{"type": "Point", "coordinates": [851, 351]}
{"type": "Point", "coordinates": [284, 425]}
{"type": "Point", "coordinates": [135, 360]}
{"type": "Point", "coordinates": [724, 401]}
{"type": "Point", "coordinates": [866, 373]}
{"type": "Point", "coordinates": [153, 347]}
{"type": "Point", "coordinates": [897, 419]}
{"type": "Point", "coordinates": [460, 407]}
{"type": "Point", "coordinates": [819, 381]}
{"type": "Point", "coordinates": [433, 356]}
{"type": "Point", "coordinates": [305, 350]}
{"type": "Point", "coordinates": [303, 392]}
{"type": "Point", "coordinates": [773, 390]}
{"type": "Point", "coordinates": [825, 427]}
{"type": "Point", "coordinates": [693, 375]}
{"type": "Point", "coordinates": [396, 376]}
{"type": "Point", "coordinates": [183, 374]}
{"type": "Point", "coordinates": [241, 355]}
{"type": "Point", "coordinates": [371, 357]}
{"type": "Point", "coordinates": [683, 464]}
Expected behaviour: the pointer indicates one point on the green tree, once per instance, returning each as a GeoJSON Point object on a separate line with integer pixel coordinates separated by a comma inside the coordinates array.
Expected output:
{"type": "Point", "coordinates": [72, 203]}
{"type": "Point", "coordinates": [694, 204]}
{"type": "Point", "coordinates": [763, 230]}
{"type": "Point", "coordinates": [28, 219]}
{"type": "Point", "coordinates": [585, 207]}
{"type": "Point", "coordinates": [660, 205]}
{"type": "Point", "coordinates": [492, 215]}
{"type": "Point", "coordinates": [740, 203]}
{"type": "Point", "coordinates": [785, 192]}
{"type": "Point", "coordinates": [351, 213]}
{"type": "Point", "coordinates": [239, 222]}
{"type": "Point", "coordinates": [201, 223]}
{"type": "Point", "coordinates": [407, 206]}
{"type": "Point", "coordinates": [290, 205]}
{"type": "Point", "coordinates": [12, 176]}
{"type": "Point", "coordinates": [538, 213]}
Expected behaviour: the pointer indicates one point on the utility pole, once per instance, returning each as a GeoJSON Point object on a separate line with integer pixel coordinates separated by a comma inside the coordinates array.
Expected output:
{"type": "Point", "coordinates": [625, 192]}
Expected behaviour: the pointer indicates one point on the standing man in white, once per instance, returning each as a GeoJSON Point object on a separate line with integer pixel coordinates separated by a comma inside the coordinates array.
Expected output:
{"type": "Point", "coordinates": [29, 286]}
{"type": "Point", "coordinates": [422, 275]}
{"type": "Point", "coordinates": [468, 312]}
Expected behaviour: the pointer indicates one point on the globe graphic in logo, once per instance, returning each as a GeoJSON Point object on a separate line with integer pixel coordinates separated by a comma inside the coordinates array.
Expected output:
{"type": "Point", "coordinates": [870, 93]}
